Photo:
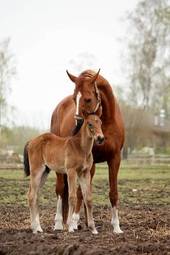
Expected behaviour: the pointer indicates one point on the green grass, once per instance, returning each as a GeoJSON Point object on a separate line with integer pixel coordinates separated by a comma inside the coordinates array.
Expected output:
{"type": "Point", "coordinates": [147, 185]}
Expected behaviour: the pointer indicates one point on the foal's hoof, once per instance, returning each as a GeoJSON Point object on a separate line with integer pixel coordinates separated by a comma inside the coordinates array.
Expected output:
{"type": "Point", "coordinates": [117, 231]}
{"type": "Point", "coordinates": [37, 230]}
{"type": "Point", "coordinates": [71, 229]}
{"type": "Point", "coordinates": [94, 232]}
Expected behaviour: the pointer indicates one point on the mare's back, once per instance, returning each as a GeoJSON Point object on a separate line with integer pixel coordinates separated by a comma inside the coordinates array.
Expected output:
{"type": "Point", "coordinates": [63, 122]}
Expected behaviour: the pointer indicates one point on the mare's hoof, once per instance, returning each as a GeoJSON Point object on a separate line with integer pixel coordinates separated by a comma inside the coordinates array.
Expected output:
{"type": "Point", "coordinates": [58, 226]}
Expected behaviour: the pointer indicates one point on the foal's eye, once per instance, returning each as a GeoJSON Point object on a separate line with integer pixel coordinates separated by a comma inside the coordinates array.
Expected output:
{"type": "Point", "coordinates": [90, 125]}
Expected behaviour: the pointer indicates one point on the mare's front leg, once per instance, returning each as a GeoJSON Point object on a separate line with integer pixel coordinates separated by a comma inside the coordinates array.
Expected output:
{"type": "Point", "coordinates": [113, 165]}
{"type": "Point", "coordinates": [72, 184]}
{"type": "Point", "coordinates": [85, 184]}
{"type": "Point", "coordinates": [35, 182]}
{"type": "Point", "coordinates": [76, 215]}
{"type": "Point", "coordinates": [60, 200]}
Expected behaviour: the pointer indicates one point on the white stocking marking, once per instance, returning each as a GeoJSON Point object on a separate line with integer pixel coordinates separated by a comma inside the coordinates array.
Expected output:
{"type": "Point", "coordinates": [35, 225]}
{"type": "Point", "coordinates": [59, 217]}
{"type": "Point", "coordinates": [115, 221]}
{"type": "Point", "coordinates": [75, 219]}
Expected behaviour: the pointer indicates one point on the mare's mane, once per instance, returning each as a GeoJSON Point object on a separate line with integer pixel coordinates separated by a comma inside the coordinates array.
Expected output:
{"type": "Point", "coordinates": [77, 127]}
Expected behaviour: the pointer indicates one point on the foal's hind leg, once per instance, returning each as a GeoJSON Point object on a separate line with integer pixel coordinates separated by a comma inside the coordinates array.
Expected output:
{"type": "Point", "coordinates": [35, 183]}
{"type": "Point", "coordinates": [113, 194]}
{"type": "Point", "coordinates": [59, 217]}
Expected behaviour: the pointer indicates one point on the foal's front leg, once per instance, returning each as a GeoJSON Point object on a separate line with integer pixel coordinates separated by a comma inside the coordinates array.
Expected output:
{"type": "Point", "coordinates": [85, 184]}
{"type": "Point", "coordinates": [76, 215]}
{"type": "Point", "coordinates": [72, 181]}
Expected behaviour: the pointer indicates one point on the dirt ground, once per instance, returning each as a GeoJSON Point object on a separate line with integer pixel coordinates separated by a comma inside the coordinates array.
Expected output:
{"type": "Point", "coordinates": [146, 231]}
{"type": "Point", "coordinates": [144, 217]}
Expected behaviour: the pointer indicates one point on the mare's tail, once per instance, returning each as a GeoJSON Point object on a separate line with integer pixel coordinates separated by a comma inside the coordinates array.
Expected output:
{"type": "Point", "coordinates": [26, 161]}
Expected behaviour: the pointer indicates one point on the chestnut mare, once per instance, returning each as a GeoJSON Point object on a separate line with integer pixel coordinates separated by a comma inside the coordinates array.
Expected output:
{"type": "Point", "coordinates": [92, 94]}
{"type": "Point", "coordinates": [71, 156]}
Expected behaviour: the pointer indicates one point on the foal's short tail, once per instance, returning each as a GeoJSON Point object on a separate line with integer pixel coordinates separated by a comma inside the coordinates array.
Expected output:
{"type": "Point", "coordinates": [26, 161]}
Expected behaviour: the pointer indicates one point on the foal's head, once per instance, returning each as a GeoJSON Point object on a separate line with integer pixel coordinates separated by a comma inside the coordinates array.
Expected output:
{"type": "Point", "coordinates": [86, 93]}
{"type": "Point", "coordinates": [93, 125]}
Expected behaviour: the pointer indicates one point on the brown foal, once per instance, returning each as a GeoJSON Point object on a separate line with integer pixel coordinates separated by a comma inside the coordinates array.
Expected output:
{"type": "Point", "coordinates": [71, 156]}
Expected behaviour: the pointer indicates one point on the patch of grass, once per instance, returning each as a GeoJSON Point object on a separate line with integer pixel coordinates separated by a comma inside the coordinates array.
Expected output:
{"type": "Point", "coordinates": [14, 187]}
{"type": "Point", "coordinates": [149, 185]}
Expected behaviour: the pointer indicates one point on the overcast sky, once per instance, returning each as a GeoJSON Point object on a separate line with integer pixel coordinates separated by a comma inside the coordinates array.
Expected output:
{"type": "Point", "coordinates": [50, 36]}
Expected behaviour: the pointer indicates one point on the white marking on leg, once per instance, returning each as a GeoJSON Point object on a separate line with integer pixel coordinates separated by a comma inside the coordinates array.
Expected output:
{"type": "Point", "coordinates": [35, 225]}
{"type": "Point", "coordinates": [115, 221]}
{"type": "Point", "coordinates": [72, 223]}
{"type": "Point", "coordinates": [70, 228]}
{"type": "Point", "coordinates": [75, 220]}
{"type": "Point", "coordinates": [58, 216]}
{"type": "Point", "coordinates": [94, 231]}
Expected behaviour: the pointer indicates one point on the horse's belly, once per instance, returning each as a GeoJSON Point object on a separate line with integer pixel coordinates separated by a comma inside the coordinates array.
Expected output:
{"type": "Point", "coordinates": [57, 168]}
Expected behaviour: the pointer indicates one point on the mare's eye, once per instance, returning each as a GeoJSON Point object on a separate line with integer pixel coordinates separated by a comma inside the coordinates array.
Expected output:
{"type": "Point", "coordinates": [90, 125]}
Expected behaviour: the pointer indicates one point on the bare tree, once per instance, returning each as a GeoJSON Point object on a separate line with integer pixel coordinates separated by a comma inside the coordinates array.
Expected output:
{"type": "Point", "coordinates": [7, 72]}
{"type": "Point", "coordinates": [149, 48]}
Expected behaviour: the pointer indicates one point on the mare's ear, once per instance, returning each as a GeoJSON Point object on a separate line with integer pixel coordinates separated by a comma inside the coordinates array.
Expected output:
{"type": "Point", "coordinates": [72, 77]}
{"type": "Point", "coordinates": [93, 79]}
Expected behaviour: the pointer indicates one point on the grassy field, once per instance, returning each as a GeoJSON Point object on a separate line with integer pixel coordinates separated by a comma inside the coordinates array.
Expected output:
{"type": "Point", "coordinates": [145, 185]}
{"type": "Point", "coordinates": [144, 215]}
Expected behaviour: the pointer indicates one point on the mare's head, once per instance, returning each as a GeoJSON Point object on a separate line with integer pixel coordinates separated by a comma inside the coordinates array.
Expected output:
{"type": "Point", "coordinates": [86, 94]}
{"type": "Point", "coordinates": [93, 125]}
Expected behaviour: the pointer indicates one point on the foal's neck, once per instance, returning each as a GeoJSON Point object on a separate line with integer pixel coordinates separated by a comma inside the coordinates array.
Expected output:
{"type": "Point", "coordinates": [86, 142]}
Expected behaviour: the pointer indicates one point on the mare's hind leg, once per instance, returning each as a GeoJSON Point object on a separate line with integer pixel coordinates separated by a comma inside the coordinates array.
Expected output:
{"type": "Point", "coordinates": [35, 183]}
{"type": "Point", "coordinates": [60, 202]}
{"type": "Point", "coordinates": [59, 217]}
{"type": "Point", "coordinates": [76, 214]}
{"type": "Point", "coordinates": [113, 194]}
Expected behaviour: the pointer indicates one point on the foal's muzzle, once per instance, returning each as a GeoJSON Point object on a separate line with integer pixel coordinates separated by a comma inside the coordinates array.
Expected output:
{"type": "Point", "coordinates": [100, 139]}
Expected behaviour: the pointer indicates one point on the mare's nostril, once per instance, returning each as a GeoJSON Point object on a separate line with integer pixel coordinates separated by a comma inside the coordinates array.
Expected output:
{"type": "Point", "coordinates": [87, 100]}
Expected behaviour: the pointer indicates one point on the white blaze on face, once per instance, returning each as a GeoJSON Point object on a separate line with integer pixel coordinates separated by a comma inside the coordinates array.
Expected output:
{"type": "Point", "coordinates": [77, 102]}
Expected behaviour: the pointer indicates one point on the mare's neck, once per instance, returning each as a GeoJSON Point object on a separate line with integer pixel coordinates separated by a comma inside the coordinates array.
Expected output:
{"type": "Point", "coordinates": [107, 102]}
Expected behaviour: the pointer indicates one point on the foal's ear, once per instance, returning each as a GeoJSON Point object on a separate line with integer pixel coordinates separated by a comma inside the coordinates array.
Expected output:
{"type": "Point", "coordinates": [93, 79]}
{"type": "Point", "coordinates": [72, 77]}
